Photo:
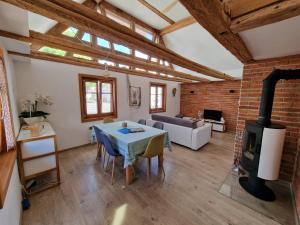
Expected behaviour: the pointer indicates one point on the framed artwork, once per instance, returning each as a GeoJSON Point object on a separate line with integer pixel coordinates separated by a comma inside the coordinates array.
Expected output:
{"type": "Point", "coordinates": [134, 96]}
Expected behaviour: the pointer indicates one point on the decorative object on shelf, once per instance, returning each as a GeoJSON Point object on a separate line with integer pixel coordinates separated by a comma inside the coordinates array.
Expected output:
{"type": "Point", "coordinates": [29, 106]}
{"type": "Point", "coordinates": [174, 90]}
{"type": "Point", "coordinates": [134, 96]}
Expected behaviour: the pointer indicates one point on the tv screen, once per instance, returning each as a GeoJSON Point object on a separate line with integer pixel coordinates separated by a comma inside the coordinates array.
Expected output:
{"type": "Point", "coordinates": [212, 114]}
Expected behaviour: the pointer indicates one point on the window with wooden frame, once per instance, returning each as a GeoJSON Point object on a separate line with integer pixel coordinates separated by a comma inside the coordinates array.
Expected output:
{"type": "Point", "coordinates": [98, 97]}
{"type": "Point", "coordinates": [157, 97]}
{"type": "Point", "coordinates": [7, 136]}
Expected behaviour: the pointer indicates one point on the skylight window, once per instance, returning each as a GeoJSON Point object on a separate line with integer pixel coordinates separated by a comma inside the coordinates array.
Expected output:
{"type": "Point", "coordinates": [106, 62]}
{"type": "Point", "coordinates": [153, 59]}
{"type": "Point", "coordinates": [141, 55]}
{"type": "Point", "coordinates": [144, 32]}
{"type": "Point", "coordinates": [103, 43]}
{"type": "Point", "coordinates": [153, 72]}
{"type": "Point", "coordinates": [166, 63]}
{"type": "Point", "coordinates": [53, 51]}
{"type": "Point", "coordinates": [70, 32]}
{"type": "Point", "coordinates": [82, 57]}
{"type": "Point", "coordinates": [124, 66]}
{"type": "Point", "coordinates": [161, 62]}
{"type": "Point", "coordinates": [86, 37]}
{"type": "Point", "coordinates": [139, 69]}
{"type": "Point", "coordinates": [117, 18]}
{"type": "Point", "coordinates": [122, 48]}
{"type": "Point", "coordinates": [163, 74]}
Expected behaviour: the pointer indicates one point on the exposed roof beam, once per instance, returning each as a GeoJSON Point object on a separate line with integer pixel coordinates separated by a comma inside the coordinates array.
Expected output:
{"type": "Point", "coordinates": [156, 11]}
{"type": "Point", "coordinates": [178, 25]}
{"type": "Point", "coordinates": [210, 15]}
{"type": "Point", "coordinates": [78, 62]}
{"type": "Point", "coordinates": [77, 47]}
{"type": "Point", "coordinates": [86, 19]}
{"type": "Point", "coordinates": [267, 15]}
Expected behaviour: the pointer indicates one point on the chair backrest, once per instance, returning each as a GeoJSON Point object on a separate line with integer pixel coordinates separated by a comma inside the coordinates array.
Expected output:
{"type": "Point", "coordinates": [98, 134]}
{"type": "Point", "coordinates": [158, 125]}
{"type": "Point", "coordinates": [108, 146]}
{"type": "Point", "coordinates": [108, 120]}
{"type": "Point", "coordinates": [142, 121]}
{"type": "Point", "coordinates": [155, 147]}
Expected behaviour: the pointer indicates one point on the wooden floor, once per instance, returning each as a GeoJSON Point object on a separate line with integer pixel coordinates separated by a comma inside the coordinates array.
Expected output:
{"type": "Point", "coordinates": [188, 195]}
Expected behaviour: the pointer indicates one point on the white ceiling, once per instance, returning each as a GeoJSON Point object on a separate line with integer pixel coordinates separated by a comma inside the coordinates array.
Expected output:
{"type": "Point", "coordinates": [40, 23]}
{"type": "Point", "coordinates": [13, 19]}
{"type": "Point", "coordinates": [274, 40]}
{"type": "Point", "coordinates": [18, 23]}
{"type": "Point", "coordinates": [195, 43]}
{"type": "Point", "coordinates": [136, 9]}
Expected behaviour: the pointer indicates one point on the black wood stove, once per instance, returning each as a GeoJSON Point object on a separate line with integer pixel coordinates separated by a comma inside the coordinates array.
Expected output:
{"type": "Point", "coordinates": [263, 141]}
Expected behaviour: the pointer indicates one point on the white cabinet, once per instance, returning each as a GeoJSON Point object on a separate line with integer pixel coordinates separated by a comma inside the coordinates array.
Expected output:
{"type": "Point", "coordinates": [38, 155]}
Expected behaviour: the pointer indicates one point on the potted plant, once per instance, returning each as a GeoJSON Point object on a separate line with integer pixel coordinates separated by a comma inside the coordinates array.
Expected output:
{"type": "Point", "coordinates": [30, 112]}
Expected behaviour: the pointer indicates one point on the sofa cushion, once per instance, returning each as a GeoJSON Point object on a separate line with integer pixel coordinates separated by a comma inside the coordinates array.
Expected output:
{"type": "Point", "coordinates": [175, 120]}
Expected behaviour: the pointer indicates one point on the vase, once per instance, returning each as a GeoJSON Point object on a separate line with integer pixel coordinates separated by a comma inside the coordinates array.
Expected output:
{"type": "Point", "coordinates": [33, 120]}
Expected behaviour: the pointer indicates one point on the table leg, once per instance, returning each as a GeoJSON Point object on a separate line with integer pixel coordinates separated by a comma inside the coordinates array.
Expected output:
{"type": "Point", "coordinates": [129, 174]}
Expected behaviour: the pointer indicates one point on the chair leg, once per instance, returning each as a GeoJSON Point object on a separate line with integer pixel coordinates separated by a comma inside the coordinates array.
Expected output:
{"type": "Point", "coordinates": [104, 156]}
{"type": "Point", "coordinates": [163, 170]}
{"type": "Point", "coordinates": [149, 168]}
{"type": "Point", "coordinates": [107, 162]}
{"type": "Point", "coordinates": [113, 171]}
{"type": "Point", "coordinates": [99, 149]}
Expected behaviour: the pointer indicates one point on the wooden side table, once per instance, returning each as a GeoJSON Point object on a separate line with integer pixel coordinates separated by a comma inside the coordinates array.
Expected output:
{"type": "Point", "coordinates": [38, 155]}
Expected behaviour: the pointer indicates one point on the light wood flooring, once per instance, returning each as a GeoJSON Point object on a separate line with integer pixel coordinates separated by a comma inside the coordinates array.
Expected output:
{"type": "Point", "coordinates": [188, 195]}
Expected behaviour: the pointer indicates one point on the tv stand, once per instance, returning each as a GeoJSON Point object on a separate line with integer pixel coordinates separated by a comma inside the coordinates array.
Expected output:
{"type": "Point", "coordinates": [216, 125]}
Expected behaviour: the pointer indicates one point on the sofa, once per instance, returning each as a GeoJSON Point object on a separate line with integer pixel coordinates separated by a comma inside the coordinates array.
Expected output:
{"type": "Point", "coordinates": [184, 132]}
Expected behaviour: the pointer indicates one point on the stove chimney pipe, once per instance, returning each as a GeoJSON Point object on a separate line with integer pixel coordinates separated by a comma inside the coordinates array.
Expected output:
{"type": "Point", "coordinates": [268, 90]}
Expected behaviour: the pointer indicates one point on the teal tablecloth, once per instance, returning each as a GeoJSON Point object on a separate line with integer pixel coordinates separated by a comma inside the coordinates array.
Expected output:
{"type": "Point", "coordinates": [133, 144]}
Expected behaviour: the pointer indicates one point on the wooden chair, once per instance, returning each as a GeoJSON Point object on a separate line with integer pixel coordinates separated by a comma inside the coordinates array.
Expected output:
{"type": "Point", "coordinates": [142, 121]}
{"type": "Point", "coordinates": [158, 125]}
{"type": "Point", "coordinates": [155, 148]}
{"type": "Point", "coordinates": [108, 120]}
{"type": "Point", "coordinates": [100, 146]}
{"type": "Point", "coordinates": [111, 152]}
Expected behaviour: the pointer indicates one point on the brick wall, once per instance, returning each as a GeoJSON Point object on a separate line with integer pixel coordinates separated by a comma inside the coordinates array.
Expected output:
{"type": "Point", "coordinates": [214, 95]}
{"type": "Point", "coordinates": [286, 108]}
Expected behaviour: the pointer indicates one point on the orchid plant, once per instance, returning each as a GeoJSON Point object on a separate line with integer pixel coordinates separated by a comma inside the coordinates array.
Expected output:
{"type": "Point", "coordinates": [29, 105]}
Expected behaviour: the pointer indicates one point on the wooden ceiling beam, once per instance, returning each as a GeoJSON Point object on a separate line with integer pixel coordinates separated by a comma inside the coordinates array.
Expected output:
{"type": "Point", "coordinates": [91, 64]}
{"type": "Point", "coordinates": [86, 19]}
{"type": "Point", "coordinates": [156, 11]}
{"type": "Point", "coordinates": [178, 25]}
{"type": "Point", "coordinates": [79, 48]}
{"type": "Point", "coordinates": [210, 15]}
{"type": "Point", "coordinates": [270, 14]}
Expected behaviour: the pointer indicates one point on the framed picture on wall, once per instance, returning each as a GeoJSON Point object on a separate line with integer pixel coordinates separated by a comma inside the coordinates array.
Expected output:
{"type": "Point", "coordinates": [134, 96]}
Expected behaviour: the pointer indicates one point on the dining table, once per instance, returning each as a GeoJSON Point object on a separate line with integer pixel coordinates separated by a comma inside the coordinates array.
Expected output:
{"type": "Point", "coordinates": [131, 145]}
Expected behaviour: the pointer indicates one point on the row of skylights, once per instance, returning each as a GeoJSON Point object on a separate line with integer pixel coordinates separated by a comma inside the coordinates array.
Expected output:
{"type": "Point", "coordinates": [87, 37]}
{"type": "Point", "coordinates": [59, 52]}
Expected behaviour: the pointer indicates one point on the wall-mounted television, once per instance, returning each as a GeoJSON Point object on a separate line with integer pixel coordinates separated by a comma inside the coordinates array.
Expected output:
{"type": "Point", "coordinates": [210, 114]}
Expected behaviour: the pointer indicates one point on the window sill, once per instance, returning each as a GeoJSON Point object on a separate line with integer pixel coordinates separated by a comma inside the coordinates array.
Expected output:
{"type": "Point", "coordinates": [157, 111]}
{"type": "Point", "coordinates": [7, 161]}
{"type": "Point", "coordinates": [91, 119]}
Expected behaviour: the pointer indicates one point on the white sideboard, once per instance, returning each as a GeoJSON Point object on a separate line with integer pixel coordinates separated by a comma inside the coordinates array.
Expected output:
{"type": "Point", "coordinates": [38, 155]}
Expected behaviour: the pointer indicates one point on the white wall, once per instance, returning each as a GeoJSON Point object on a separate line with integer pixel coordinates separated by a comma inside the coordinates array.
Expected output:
{"type": "Point", "coordinates": [10, 213]}
{"type": "Point", "coordinates": [60, 81]}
